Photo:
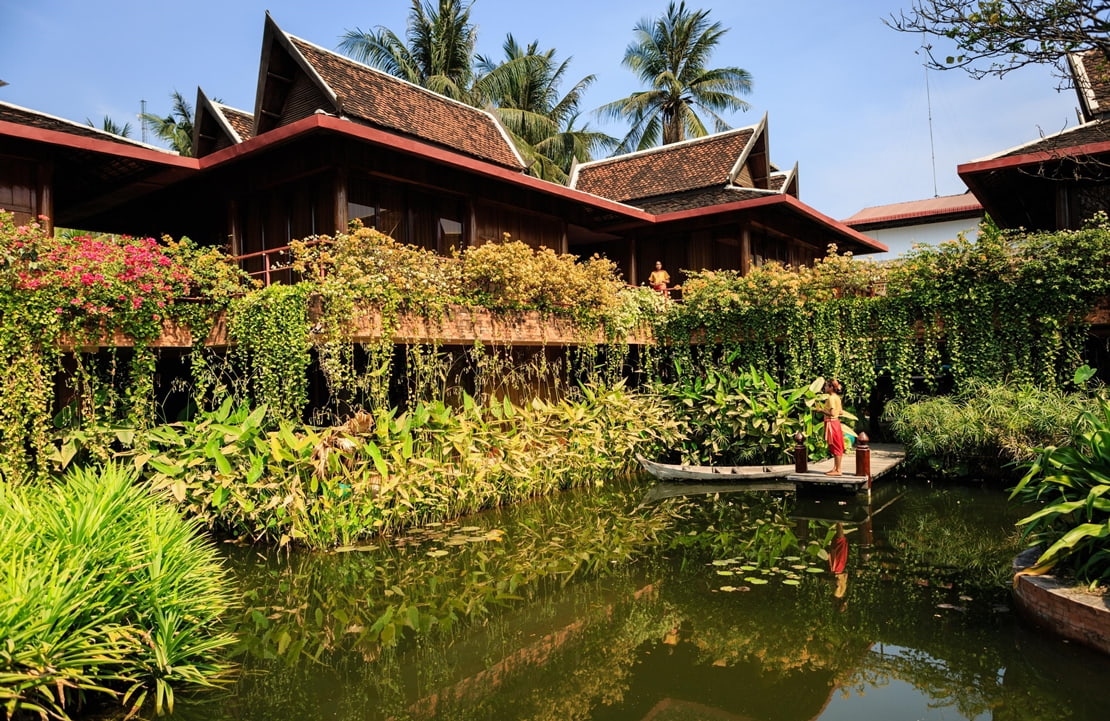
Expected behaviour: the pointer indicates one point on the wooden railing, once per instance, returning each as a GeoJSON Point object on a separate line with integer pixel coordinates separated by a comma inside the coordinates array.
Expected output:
{"type": "Point", "coordinates": [275, 262]}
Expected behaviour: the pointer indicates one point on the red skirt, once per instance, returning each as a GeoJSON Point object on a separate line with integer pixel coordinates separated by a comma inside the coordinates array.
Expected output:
{"type": "Point", "coordinates": [834, 436]}
{"type": "Point", "coordinates": [838, 554]}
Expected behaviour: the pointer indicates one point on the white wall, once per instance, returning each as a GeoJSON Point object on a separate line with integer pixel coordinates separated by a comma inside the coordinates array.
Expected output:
{"type": "Point", "coordinates": [899, 240]}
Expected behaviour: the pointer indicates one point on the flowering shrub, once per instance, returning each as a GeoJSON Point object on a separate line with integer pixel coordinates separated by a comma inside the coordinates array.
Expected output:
{"type": "Point", "coordinates": [86, 286]}
{"type": "Point", "coordinates": [100, 282]}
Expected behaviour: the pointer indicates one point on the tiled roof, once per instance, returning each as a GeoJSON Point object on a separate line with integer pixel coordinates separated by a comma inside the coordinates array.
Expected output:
{"type": "Point", "coordinates": [948, 205]}
{"type": "Point", "coordinates": [34, 119]}
{"type": "Point", "coordinates": [381, 100]}
{"type": "Point", "coordinates": [700, 198]}
{"type": "Point", "coordinates": [689, 165]}
{"type": "Point", "coordinates": [1086, 134]}
{"type": "Point", "coordinates": [240, 121]}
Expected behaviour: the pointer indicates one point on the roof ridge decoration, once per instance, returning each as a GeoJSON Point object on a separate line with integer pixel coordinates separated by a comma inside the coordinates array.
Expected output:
{"type": "Point", "coordinates": [218, 114]}
{"type": "Point", "coordinates": [1090, 71]}
{"type": "Point", "coordinates": [86, 128]}
{"type": "Point", "coordinates": [271, 33]}
{"type": "Point", "coordinates": [759, 132]}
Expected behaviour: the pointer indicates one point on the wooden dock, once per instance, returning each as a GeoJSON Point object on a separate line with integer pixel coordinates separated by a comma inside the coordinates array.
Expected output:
{"type": "Point", "coordinates": [885, 457]}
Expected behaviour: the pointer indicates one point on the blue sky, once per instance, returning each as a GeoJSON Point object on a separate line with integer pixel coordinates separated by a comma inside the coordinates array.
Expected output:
{"type": "Point", "coordinates": [844, 94]}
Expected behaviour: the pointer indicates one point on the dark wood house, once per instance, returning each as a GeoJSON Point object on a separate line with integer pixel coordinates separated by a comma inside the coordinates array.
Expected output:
{"type": "Point", "coordinates": [330, 140]}
{"type": "Point", "coordinates": [1058, 181]}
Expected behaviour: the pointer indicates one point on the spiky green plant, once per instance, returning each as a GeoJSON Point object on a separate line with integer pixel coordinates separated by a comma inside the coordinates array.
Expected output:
{"type": "Point", "coordinates": [106, 594]}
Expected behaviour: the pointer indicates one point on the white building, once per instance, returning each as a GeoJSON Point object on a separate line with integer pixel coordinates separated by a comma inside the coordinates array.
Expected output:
{"type": "Point", "coordinates": [902, 225]}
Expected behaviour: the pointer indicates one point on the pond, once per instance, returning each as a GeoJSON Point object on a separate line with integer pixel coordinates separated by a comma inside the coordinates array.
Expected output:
{"type": "Point", "coordinates": [599, 605]}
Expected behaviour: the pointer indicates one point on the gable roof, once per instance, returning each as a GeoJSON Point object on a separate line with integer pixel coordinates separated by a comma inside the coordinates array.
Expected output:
{"type": "Point", "coordinates": [714, 160]}
{"type": "Point", "coordinates": [1091, 76]}
{"type": "Point", "coordinates": [217, 126]}
{"type": "Point", "coordinates": [298, 78]}
{"type": "Point", "coordinates": [916, 212]}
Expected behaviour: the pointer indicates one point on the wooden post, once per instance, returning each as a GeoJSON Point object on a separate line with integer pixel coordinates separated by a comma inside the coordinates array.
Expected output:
{"type": "Point", "coordinates": [863, 459]}
{"type": "Point", "coordinates": [801, 456]}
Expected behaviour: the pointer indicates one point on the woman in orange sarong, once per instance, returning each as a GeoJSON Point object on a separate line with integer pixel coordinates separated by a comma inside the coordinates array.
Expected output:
{"type": "Point", "coordinates": [834, 434]}
{"type": "Point", "coordinates": [659, 278]}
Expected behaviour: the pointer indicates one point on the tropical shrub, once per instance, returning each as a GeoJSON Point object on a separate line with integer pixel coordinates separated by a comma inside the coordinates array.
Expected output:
{"type": "Point", "coordinates": [985, 426]}
{"type": "Point", "coordinates": [282, 482]}
{"type": "Point", "coordinates": [106, 594]}
{"type": "Point", "coordinates": [728, 417]}
{"type": "Point", "coordinates": [1072, 482]}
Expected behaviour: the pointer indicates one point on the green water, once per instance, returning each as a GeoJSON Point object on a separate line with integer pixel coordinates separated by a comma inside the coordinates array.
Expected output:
{"type": "Point", "coordinates": [593, 605]}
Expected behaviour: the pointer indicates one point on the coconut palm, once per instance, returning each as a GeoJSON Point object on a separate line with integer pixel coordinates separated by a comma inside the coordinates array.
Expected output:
{"type": "Point", "coordinates": [111, 126]}
{"type": "Point", "coordinates": [438, 52]}
{"type": "Point", "coordinates": [176, 129]}
{"type": "Point", "coordinates": [523, 89]}
{"type": "Point", "coordinates": [670, 54]}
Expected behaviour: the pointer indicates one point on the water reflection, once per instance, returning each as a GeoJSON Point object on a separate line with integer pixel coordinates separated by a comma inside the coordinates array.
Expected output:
{"type": "Point", "coordinates": [716, 606]}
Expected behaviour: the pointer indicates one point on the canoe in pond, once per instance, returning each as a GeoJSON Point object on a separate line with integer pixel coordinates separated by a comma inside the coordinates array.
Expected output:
{"type": "Point", "coordinates": [713, 474]}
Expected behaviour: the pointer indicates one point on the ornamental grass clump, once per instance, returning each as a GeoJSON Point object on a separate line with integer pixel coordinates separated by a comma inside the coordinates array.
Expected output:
{"type": "Point", "coordinates": [106, 596]}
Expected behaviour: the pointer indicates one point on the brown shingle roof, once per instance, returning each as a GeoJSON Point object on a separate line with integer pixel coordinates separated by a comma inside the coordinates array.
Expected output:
{"type": "Point", "coordinates": [240, 121]}
{"type": "Point", "coordinates": [31, 118]}
{"type": "Point", "coordinates": [689, 165]}
{"type": "Point", "coordinates": [1097, 131]}
{"type": "Point", "coordinates": [387, 102]}
{"type": "Point", "coordinates": [700, 198]}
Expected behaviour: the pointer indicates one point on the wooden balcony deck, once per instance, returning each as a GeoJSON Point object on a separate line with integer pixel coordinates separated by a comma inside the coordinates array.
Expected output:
{"type": "Point", "coordinates": [457, 326]}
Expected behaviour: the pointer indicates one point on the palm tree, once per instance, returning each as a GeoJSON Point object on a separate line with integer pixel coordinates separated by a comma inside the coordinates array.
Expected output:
{"type": "Point", "coordinates": [438, 52]}
{"type": "Point", "coordinates": [670, 55]}
{"type": "Point", "coordinates": [176, 129]}
{"type": "Point", "coordinates": [111, 126]}
{"type": "Point", "coordinates": [523, 90]}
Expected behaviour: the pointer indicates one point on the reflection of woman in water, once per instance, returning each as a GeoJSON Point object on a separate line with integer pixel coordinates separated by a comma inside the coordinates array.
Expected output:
{"type": "Point", "coordinates": [838, 562]}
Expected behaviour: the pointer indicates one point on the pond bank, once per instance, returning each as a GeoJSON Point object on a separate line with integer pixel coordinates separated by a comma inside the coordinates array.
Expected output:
{"type": "Point", "coordinates": [1062, 607]}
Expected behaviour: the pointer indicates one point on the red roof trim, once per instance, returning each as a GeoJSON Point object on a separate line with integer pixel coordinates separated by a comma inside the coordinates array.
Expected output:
{"type": "Point", "coordinates": [1040, 156]}
{"type": "Point", "coordinates": [94, 145]}
{"type": "Point", "coordinates": [777, 199]}
{"type": "Point", "coordinates": [321, 121]}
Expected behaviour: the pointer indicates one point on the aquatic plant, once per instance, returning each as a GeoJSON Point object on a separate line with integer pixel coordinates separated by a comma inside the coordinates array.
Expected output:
{"type": "Point", "coordinates": [106, 595]}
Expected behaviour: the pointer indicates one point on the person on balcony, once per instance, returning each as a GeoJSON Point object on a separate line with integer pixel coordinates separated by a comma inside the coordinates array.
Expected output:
{"type": "Point", "coordinates": [659, 278]}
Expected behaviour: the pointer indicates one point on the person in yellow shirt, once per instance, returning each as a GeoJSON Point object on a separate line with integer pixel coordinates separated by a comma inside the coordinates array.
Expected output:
{"type": "Point", "coordinates": [659, 278]}
{"type": "Point", "coordinates": [834, 434]}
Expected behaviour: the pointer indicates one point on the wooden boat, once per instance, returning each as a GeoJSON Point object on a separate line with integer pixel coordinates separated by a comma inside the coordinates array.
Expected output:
{"type": "Point", "coordinates": [717, 474]}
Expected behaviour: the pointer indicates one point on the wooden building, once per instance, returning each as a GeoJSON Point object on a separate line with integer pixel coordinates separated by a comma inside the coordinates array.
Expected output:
{"type": "Point", "coordinates": [330, 140]}
{"type": "Point", "coordinates": [1058, 181]}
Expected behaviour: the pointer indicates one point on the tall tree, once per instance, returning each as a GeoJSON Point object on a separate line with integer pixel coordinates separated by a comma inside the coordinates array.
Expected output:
{"type": "Point", "coordinates": [523, 89]}
{"type": "Point", "coordinates": [993, 37]}
{"type": "Point", "coordinates": [111, 126]}
{"type": "Point", "coordinates": [670, 55]}
{"type": "Point", "coordinates": [176, 129]}
{"type": "Point", "coordinates": [437, 55]}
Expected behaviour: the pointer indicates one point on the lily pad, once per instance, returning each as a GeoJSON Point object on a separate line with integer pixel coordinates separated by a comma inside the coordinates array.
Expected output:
{"type": "Point", "coordinates": [791, 582]}
{"type": "Point", "coordinates": [756, 581]}
{"type": "Point", "coordinates": [723, 572]}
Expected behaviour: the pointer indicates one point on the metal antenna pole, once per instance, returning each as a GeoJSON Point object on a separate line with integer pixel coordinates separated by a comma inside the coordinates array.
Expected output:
{"type": "Point", "coordinates": [932, 145]}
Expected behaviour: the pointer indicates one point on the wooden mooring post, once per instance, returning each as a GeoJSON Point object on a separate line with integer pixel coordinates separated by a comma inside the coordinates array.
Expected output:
{"type": "Point", "coordinates": [801, 455]}
{"type": "Point", "coordinates": [863, 459]}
